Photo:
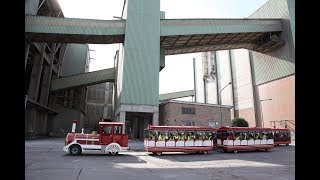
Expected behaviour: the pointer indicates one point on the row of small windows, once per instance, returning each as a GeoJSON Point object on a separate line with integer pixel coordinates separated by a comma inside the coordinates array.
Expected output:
{"type": "Point", "coordinates": [188, 110]}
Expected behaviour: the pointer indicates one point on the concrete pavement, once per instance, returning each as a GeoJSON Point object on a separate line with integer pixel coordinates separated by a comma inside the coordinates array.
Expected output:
{"type": "Point", "coordinates": [44, 159]}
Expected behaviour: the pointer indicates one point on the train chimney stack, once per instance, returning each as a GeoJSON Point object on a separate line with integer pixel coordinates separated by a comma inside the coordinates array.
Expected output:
{"type": "Point", "coordinates": [74, 122]}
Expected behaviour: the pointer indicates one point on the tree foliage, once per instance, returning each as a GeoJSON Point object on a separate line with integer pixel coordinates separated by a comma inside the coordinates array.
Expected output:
{"type": "Point", "coordinates": [239, 122]}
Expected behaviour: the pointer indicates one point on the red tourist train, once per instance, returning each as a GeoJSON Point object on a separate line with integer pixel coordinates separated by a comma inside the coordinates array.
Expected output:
{"type": "Point", "coordinates": [190, 139]}
{"type": "Point", "coordinates": [110, 139]}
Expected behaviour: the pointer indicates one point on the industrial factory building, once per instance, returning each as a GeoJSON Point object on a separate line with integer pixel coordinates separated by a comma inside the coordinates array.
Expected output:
{"type": "Point", "coordinates": [246, 69]}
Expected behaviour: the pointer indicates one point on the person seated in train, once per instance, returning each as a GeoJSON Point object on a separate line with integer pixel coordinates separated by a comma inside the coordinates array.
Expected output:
{"type": "Point", "coordinates": [176, 137]}
{"type": "Point", "coordinates": [264, 137]}
{"type": "Point", "coordinates": [160, 138]}
{"type": "Point", "coordinates": [182, 137]}
{"type": "Point", "coordinates": [166, 137]}
{"type": "Point", "coordinates": [154, 136]}
{"type": "Point", "coordinates": [190, 137]}
{"type": "Point", "coordinates": [204, 137]}
{"type": "Point", "coordinates": [237, 136]}
{"type": "Point", "coordinates": [284, 135]}
{"type": "Point", "coordinates": [270, 135]}
{"type": "Point", "coordinates": [257, 136]}
{"type": "Point", "coordinates": [193, 137]}
{"type": "Point", "coordinates": [214, 138]}
{"type": "Point", "coordinates": [251, 137]}
{"type": "Point", "coordinates": [171, 136]}
{"type": "Point", "coordinates": [230, 137]}
{"type": "Point", "coordinates": [199, 135]}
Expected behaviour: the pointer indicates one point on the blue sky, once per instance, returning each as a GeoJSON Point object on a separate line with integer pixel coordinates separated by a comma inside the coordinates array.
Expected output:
{"type": "Point", "coordinates": [178, 73]}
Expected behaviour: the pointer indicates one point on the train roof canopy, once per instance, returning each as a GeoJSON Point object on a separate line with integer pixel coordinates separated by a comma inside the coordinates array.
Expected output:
{"type": "Point", "coordinates": [244, 129]}
{"type": "Point", "coordinates": [111, 123]}
{"type": "Point", "coordinates": [150, 127]}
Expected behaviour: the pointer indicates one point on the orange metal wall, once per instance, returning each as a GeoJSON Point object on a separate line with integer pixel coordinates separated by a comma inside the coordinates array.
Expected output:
{"type": "Point", "coordinates": [248, 115]}
{"type": "Point", "coordinates": [282, 105]}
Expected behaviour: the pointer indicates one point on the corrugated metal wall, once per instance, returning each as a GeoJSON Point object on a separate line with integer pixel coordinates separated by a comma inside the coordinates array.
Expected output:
{"type": "Point", "coordinates": [282, 105]}
{"type": "Point", "coordinates": [140, 81]}
{"type": "Point", "coordinates": [280, 62]}
{"type": "Point", "coordinates": [292, 14]}
{"type": "Point", "coordinates": [31, 7]}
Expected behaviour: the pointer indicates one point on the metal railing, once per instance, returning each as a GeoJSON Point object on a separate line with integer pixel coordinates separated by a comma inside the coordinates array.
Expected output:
{"type": "Point", "coordinates": [290, 124]}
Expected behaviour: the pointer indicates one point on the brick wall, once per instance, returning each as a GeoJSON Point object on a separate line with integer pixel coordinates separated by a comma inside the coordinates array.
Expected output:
{"type": "Point", "coordinates": [171, 114]}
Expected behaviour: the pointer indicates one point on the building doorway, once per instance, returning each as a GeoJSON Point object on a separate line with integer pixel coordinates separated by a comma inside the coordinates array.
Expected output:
{"type": "Point", "coordinates": [136, 122]}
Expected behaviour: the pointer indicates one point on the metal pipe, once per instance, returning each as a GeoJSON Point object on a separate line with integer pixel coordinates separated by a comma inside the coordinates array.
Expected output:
{"type": "Point", "coordinates": [221, 102]}
{"type": "Point", "coordinates": [194, 80]}
{"type": "Point", "coordinates": [261, 109]}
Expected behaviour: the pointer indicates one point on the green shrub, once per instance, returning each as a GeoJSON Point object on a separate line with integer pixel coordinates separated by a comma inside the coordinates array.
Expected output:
{"type": "Point", "coordinates": [239, 122]}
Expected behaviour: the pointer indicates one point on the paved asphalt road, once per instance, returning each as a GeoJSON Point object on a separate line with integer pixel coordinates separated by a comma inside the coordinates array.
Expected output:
{"type": "Point", "coordinates": [45, 160]}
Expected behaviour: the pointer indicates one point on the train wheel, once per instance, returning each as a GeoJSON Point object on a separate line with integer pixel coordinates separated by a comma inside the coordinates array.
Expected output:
{"type": "Point", "coordinates": [235, 151]}
{"type": "Point", "coordinates": [113, 148]}
{"type": "Point", "coordinates": [75, 150]}
{"type": "Point", "coordinates": [287, 144]}
{"type": "Point", "coordinates": [205, 152]}
{"type": "Point", "coordinates": [268, 150]}
{"type": "Point", "coordinates": [114, 153]}
{"type": "Point", "coordinates": [159, 153]}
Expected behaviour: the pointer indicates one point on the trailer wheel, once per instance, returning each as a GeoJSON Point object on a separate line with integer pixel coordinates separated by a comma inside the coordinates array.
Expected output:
{"type": "Point", "coordinates": [224, 150]}
{"type": "Point", "coordinates": [159, 153]}
{"type": "Point", "coordinates": [75, 150]}
{"type": "Point", "coordinates": [205, 152]}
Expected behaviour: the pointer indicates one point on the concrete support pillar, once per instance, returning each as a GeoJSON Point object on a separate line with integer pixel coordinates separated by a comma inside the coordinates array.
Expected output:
{"type": "Point", "coordinates": [27, 47]}
{"type": "Point", "coordinates": [232, 85]}
{"type": "Point", "coordinates": [254, 95]}
{"type": "Point", "coordinates": [71, 95]}
{"type": "Point", "coordinates": [155, 119]}
{"type": "Point", "coordinates": [46, 81]}
{"type": "Point", "coordinates": [31, 122]}
{"type": "Point", "coordinates": [217, 75]}
{"type": "Point", "coordinates": [36, 74]}
{"type": "Point", "coordinates": [122, 119]}
{"type": "Point", "coordinates": [65, 99]}
{"type": "Point", "coordinates": [63, 48]}
{"type": "Point", "coordinates": [141, 127]}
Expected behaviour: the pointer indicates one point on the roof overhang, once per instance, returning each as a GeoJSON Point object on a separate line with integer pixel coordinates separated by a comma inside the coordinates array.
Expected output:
{"type": "Point", "coordinates": [33, 104]}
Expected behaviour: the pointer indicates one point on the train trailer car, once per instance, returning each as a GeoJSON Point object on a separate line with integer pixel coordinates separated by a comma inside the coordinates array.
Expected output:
{"type": "Point", "coordinates": [281, 136]}
{"type": "Point", "coordinates": [189, 139]}
{"type": "Point", "coordinates": [110, 140]}
{"type": "Point", "coordinates": [234, 139]}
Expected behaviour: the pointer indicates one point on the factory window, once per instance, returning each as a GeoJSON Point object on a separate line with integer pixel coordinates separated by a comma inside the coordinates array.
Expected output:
{"type": "Point", "coordinates": [188, 110]}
